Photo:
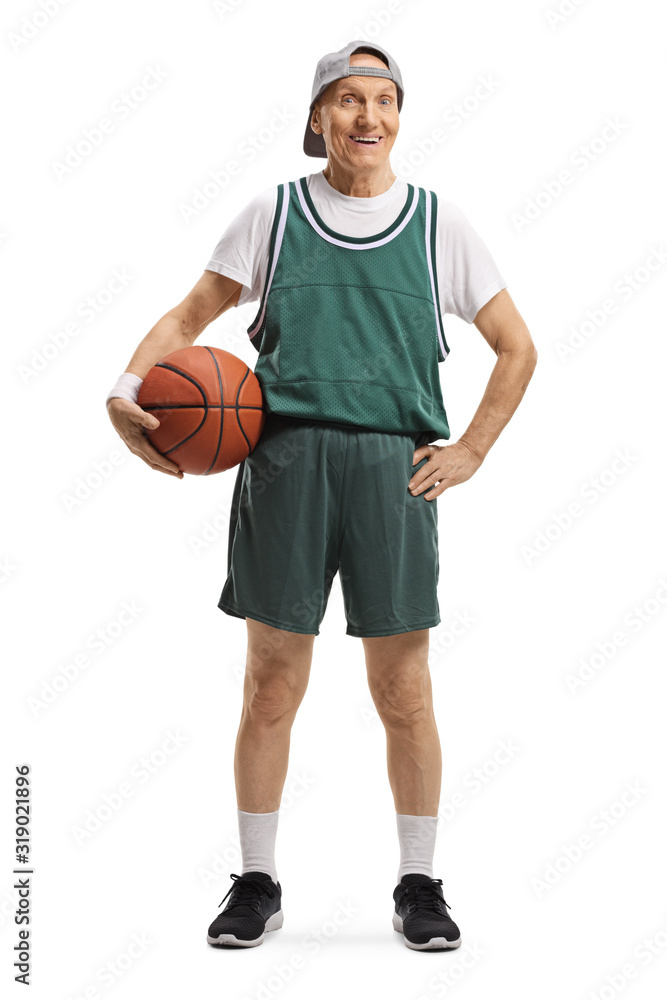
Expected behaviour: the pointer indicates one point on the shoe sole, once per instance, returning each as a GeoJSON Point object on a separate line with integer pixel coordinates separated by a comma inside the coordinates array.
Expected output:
{"type": "Point", "coordinates": [274, 923]}
{"type": "Point", "coordinates": [436, 942]}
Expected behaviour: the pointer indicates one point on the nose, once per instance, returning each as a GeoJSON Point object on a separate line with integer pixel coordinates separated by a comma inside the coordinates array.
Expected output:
{"type": "Point", "coordinates": [365, 116]}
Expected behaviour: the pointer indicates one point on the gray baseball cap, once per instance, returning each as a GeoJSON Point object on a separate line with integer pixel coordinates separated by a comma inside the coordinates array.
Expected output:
{"type": "Point", "coordinates": [336, 66]}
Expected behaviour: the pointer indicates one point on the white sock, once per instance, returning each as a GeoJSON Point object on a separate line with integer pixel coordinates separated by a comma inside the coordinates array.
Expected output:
{"type": "Point", "coordinates": [257, 833]}
{"type": "Point", "coordinates": [416, 838]}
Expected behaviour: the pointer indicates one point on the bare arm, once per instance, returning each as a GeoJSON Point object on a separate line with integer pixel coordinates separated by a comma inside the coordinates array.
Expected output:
{"type": "Point", "coordinates": [211, 296]}
{"type": "Point", "coordinates": [503, 328]}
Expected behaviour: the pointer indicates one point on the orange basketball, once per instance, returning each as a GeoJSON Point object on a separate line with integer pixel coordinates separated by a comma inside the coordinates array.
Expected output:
{"type": "Point", "coordinates": [210, 408]}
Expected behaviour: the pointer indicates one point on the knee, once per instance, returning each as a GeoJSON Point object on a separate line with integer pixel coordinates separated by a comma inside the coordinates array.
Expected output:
{"type": "Point", "coordinates": [270, 695]}
{"type": "Point", "coordinates": [403, 699]}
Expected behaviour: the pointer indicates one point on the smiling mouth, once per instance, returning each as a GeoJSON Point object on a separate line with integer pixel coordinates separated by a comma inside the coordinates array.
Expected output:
{"type": "Point", "coordinates": [365, 140]}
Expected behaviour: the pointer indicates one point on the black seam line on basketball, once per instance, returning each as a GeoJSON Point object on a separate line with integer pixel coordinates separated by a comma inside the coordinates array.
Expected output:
{"type": "Point", "coordinates": [206, 406]}
{"type": "Point", "coordinates": [238, 393]}
{"type": "Point", "coordinates": [186, 439]}
{"type": "Point", "coordinates": [173, 368]}
{"type": "Point", "coordinates": [222, 410]}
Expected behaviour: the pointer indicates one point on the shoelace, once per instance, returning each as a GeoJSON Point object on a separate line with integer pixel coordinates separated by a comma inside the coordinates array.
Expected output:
{"type": "Point", "coordinates": [425, 895]}
{"type": "Point", "coordinates": [245, 891]}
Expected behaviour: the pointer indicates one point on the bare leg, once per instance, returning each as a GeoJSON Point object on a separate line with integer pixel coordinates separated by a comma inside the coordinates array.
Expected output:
{"type": "Point", "coordinates": [276, 678]}
{"type": "Point", "coordinates": [400, 684]}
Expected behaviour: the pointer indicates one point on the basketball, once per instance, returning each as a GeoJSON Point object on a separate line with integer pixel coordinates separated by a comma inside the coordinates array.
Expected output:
{"type": "Point", "coordinates": [210, 407]}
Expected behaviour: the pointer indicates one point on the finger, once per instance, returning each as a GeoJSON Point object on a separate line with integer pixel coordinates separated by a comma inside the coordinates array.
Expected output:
{"type": "Point", "coordinates": [158, 468]}
{"type": "Point", "coordinates": [126, 414]}
{"type": "Point", "coordinates": [144, 449]}
{"type": "Point", "coordinates": [148, 420]}
{"type": "Point", "coordinates": [436, 491]}
{"type": "Point", "coordinates": [445, 483]}
{"type": "Point", "coordinates": [432, 490]}
{"type": "Point", "coordinates": [427, 476]}
{"type": "Point", "coordinates": [158, 461]}
{"type": "Point", "coordinates": [422, 451]}
{"type": "Point", "coordinates": [142, 442]}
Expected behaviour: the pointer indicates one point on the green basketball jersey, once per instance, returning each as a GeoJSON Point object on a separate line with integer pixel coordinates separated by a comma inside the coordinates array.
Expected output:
{"type": "Point", "coordinates": [349, 329]}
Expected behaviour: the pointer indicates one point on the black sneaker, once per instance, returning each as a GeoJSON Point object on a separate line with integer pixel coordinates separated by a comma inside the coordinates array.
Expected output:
{"type": "Point", "coordinates": [421, 914]}
{"type": "Point", "coordinates": [253, 908]}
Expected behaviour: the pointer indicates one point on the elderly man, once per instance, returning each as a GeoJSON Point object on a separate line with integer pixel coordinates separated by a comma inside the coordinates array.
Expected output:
{"type": "Point", "coordinates": [353, 269]}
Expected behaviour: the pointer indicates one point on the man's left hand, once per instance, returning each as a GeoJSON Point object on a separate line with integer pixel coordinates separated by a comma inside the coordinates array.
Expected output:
{"type": "Point", "coordinates": [448, 465]}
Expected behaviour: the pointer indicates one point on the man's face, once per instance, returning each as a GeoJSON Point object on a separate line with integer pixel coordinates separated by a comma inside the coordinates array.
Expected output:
{"type": "Point", "coordinates": [356, 106]}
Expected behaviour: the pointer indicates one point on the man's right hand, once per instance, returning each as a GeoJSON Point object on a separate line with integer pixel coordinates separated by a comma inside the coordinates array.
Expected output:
{"type": "Point", "coordinates": [129, 420]}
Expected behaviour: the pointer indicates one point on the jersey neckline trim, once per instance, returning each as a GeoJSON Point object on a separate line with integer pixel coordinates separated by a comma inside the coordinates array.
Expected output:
{"type": "Point", "coordinates": [318, 185]}
{"type": "Point", "coordinates": [355, 242]}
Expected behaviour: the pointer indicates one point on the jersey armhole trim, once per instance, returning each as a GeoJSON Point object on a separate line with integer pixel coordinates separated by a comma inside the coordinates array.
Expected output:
{"type": "Point", "coordinates": [431, 256]}
{"type": "Point", "coordinates": [277, 230]}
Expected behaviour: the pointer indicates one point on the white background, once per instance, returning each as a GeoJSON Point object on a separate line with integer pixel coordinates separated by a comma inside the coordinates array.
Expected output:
{"type": "Point", "coordinates": [68, 569]}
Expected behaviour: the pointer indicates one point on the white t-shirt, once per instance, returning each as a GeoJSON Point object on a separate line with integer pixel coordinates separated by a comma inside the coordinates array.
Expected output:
{"type": "Point", "coordinates": [466, 272]}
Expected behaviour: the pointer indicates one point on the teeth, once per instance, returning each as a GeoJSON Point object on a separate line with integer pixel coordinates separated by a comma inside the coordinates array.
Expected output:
{"type": "Point", "coordinates": [360, 138]}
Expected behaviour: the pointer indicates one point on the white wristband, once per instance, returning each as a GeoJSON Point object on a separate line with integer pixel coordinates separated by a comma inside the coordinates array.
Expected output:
{"type": "Point", "coordinates": [126, 387]}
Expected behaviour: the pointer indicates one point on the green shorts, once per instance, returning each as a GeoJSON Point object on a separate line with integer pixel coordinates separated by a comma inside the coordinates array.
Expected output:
{"type": "Point", "coordinates": [316, 497]}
